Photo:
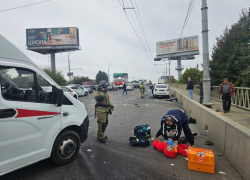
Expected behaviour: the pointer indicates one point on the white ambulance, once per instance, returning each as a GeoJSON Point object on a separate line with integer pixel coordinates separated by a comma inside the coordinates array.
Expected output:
{"type": "Point", "coordinates": [37, 120]}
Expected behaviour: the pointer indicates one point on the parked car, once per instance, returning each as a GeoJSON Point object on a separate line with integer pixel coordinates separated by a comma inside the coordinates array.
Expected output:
{"type": "Point", "coordinates": [95, 87]}
{"type": "Point", "coordinates": [130, 87]}
{"type": "Point", "coordinates": [112, 87]}
{"type": "Point", "coordinates": [79, 90]}
{"type": "Point", "coordinates": [88, 88]}
{"type": "Point", "coordinates": [69, 91]}
{"type": "Point", "coordinates": [161, 90]}
{"type": "Point", "coordinates": [136, 85]}
{"type": "Point", "coordinates": [73, 85]}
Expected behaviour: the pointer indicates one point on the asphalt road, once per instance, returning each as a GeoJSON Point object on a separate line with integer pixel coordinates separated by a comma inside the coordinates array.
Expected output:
{"type": "Point", "coordinates": [117, 159]}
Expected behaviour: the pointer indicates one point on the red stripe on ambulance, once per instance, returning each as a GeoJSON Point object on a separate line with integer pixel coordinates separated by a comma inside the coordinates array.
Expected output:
{"type": "Point", "coordinates": [30, 113]}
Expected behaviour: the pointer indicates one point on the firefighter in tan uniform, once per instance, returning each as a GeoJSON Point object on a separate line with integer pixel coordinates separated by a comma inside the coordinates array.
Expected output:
{"type": "Point", "coordinates": [142, 89]}
{"type": "Point", "coordinates": [103, 107]}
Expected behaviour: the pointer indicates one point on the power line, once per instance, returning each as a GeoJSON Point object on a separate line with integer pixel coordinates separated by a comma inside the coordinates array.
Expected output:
{"type": "Point", "coordinates": [25, 6]}
{"type": "Point", "coordinates": [137, 36]}
{"type": "Point", "coordinates": [141, 25]}
{"type": "Point", "coordinates": [136, 27]}
{"type": "Point", "coordinates": [190, 8]}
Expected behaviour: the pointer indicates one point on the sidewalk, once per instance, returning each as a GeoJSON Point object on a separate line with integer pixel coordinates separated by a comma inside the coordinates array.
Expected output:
{"type": "Point", "coordinates": [238, 115]}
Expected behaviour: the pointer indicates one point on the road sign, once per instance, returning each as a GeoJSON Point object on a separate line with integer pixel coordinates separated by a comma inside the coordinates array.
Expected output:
{"type": "Point", "coordinates": [70, 74]}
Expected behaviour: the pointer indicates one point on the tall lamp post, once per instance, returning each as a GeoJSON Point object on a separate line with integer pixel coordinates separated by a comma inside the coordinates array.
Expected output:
{"type": "Point", "coordinates": [133, 77]}
{"type": "Point", "coordinates": [108, 70]}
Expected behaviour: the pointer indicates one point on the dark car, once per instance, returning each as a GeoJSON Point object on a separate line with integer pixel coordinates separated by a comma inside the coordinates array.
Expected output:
{"type": "Point", "coordinates": [95, 87]}
{"type": "Point", "coordinates": [112, 87]}
{"type": "Point", "coordinates": [136, 85]}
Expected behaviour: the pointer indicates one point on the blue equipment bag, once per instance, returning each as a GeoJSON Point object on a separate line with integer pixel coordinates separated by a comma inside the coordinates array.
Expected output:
{"type": "Point", "coordinates": [142, 130]}
{"type": "Point", "coordinates": [139, 141]}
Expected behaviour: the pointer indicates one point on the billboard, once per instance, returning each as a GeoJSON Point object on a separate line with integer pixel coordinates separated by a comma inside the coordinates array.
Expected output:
{"type": "Point", "coordinates": [163, 77]}
{"type": "Point", "coordinates": [58, 39]}
{"type": "Point", "coordinates": [178, 45]}
{"type": "Point", "coordinates": [120, 75]}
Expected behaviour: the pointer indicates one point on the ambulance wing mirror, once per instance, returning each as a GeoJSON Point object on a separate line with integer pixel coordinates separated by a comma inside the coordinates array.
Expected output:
{"type": "Point", "coordinates": [58, 93]}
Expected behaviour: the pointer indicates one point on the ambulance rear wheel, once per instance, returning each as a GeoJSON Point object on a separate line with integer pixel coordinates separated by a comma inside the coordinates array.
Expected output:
{"type": "Point", "coordinates": [65, 148]}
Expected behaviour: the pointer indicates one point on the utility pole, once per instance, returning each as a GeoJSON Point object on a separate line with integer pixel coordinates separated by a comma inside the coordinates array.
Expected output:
{"type": "Point", "coordinates": [206, 75]}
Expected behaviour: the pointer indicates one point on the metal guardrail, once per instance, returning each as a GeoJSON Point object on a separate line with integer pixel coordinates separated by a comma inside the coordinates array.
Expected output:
{"type": "Point", "coordinates": [239, 99]}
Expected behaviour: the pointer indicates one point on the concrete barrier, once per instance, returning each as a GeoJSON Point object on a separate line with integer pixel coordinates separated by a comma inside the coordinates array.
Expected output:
{"type": "Point", "coordinates": [231, 138]}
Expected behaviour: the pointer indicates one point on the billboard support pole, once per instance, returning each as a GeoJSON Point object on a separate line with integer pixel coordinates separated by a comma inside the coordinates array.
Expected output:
{"type": "Point", "coordinates": [69, 69]}
{"type": "Point", "coordinates": [53, 61]}
{"type": "Point", "coordinates": [169, 73]}
{"type": "Point", "coordinates": [206, 75]}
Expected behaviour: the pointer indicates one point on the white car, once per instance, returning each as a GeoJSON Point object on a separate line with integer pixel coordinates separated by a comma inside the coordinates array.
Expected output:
{"type": "Point", "coordinates": [130, 87]}
{"type": "Point", "coordinates": [79, 90]}
{"type": "Point", "coordinates": [69, 91]}
{"type": "Point", "coordinates": [161, 90]}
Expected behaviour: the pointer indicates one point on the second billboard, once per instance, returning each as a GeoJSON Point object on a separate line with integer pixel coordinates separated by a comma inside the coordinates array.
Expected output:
{"type": "Point", "coordinates": [177, 45]}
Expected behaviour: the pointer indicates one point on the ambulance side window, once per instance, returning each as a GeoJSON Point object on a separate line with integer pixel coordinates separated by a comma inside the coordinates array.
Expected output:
{"type": "Point", "coordinates": [17, 84]}
{"type": "Point", "coordinates": [45, 93]}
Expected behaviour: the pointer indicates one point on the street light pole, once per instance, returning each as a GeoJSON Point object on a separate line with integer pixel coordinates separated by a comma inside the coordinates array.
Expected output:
{"type": "Point", "coordinates": [169, 68]}
{"type": "Point", "coordinates": [108, 70]}
{"type": "Point", "coordinates": [133, 77]}
{"type": "Point", "coordinates": [206, 74]}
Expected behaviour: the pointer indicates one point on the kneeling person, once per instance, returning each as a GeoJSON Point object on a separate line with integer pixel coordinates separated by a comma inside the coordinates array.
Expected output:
{"type": "Point", "coordinates": [102, 108]}
{"type": "Point", "coordinates": [175, 120]}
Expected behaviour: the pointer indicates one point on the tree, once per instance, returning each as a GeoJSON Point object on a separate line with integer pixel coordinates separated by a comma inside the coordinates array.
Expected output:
{"type": "Point", "coordinates": [231, 53]}
{"type": "Point", "coordinates": [101, 75]}
{"type": "Point", "coordinates": [193, 73]}
{"type": "Point", "coordinates": [79, 79]}
{"type": "Point", "coordinates": [57, 76]}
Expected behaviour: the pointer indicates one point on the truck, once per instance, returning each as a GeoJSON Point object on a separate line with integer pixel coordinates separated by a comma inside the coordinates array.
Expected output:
{"type": "Point", "coordinates": [120, 78]}
{"type": "Point", "coordinates": [37, 119]}
{"type": "Point", "coordinates": [161, 81]}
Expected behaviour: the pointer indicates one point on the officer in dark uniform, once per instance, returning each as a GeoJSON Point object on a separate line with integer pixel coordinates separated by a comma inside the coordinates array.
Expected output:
{"type": "Point", "coordinates": [103, 107]}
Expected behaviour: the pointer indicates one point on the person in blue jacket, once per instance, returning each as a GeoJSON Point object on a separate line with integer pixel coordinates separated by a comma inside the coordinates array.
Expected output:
{"type": "Point", "coordinates": [175, 120]}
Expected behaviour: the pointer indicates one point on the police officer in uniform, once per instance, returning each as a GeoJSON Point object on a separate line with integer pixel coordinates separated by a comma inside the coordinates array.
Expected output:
{"type": "Point", "coordinates": [103, 107]}
{"type": "Point", "coordinates": [142, 89]}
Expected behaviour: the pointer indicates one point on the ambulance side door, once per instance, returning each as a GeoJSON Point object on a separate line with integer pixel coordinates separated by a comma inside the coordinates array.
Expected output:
{"type": "Point", "coordinates": [29, 119]}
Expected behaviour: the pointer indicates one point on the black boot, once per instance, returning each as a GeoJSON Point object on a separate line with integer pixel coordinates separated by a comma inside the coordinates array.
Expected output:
{"type": "Point", "coordinates": [102, 140]}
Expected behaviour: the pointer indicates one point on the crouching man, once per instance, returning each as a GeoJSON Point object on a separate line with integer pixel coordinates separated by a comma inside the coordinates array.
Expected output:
{"type": "Point", "coordinates": [175, 120]}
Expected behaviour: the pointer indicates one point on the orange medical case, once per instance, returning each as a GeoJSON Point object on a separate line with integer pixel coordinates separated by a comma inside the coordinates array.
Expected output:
{"type": "Point", "coordinates": [200, 160]}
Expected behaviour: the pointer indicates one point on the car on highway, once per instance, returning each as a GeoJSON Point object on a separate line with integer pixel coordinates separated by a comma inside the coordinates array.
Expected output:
{"type": "Point", "coordinates": [161, 90]}
{"type": "Point", "coordinates": [112, 87]}
{"type": "Point", "coordinates": [136, 85]}
{"type": "Point", "coordinates": [73, 85]}
{"type": "Point", "coordinates": [95, 87]}
{"type": "Point", "coordinates": [79, 90]}
{"type": "Point", "coordinates": [69, 91]}
{"type": "Point", "coordinates": [130, 87]}
{"type": "Point", "coordinates": [88, 88]}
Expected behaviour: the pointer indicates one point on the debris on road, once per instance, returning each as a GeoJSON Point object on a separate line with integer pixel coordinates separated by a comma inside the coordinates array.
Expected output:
{"type": "Point", "coordinates": [209, 143]}
{"type": "Point", "coordinates": [221, 172]}
{"type": "Point", "coordinates": [89, 150]}
{"type": "Point", "coordinates": [172, 164]}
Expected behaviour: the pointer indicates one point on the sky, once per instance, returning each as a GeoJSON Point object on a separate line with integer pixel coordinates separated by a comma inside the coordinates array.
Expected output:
{"type": "Point", "coordinates": [106, 35]}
